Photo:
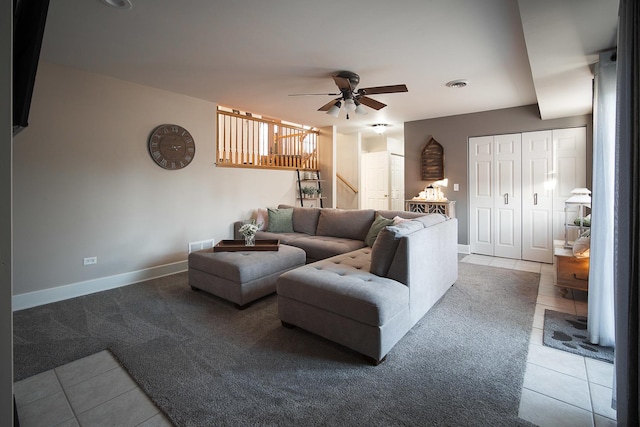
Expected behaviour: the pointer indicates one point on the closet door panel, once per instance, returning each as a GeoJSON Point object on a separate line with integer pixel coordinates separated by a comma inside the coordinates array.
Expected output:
{"type": "Point", "coordinates": [537, 196]}
{"type": "Point", "coordinates": [508, 199]}
{"type": "Point", "coordinates": [481, 195]}
{"type": "Point", "coordinates": [570, 158]}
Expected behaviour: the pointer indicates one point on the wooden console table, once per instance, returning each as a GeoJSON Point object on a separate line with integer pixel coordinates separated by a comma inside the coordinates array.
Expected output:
{"type": "Point", "coordinates": [571, 272]}
{"type": "Point", "coordinates": [447, 208]}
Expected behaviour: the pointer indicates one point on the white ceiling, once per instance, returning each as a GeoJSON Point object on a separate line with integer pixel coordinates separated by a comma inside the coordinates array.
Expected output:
{"type": "Point", "coordinates": [251, 54]}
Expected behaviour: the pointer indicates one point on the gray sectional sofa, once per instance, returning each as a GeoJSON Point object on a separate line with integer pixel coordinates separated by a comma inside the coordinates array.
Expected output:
{"type": "Point", "coordinates": [363, 297]}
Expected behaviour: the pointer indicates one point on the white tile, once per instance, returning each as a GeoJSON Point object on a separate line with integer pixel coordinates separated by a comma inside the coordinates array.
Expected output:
{"type": "Point", "coordinates": [558, 360]}
{"type": "Point", "coordinates": [582, 308]}
{"type": "Point", "coordinates": [599, 372]}
{"type": "Point", "coordinates": [550, 291]}
{"type": "Point", "coordinates": [536, 336]}
{"type": "Point", "coordinates": [128, 409]}
{"type": "Point", "coordinates": [545, 411]}
{"type": "Point", "coordinates": [97, 390]}
{"type": "Point", "coordinates": [85, 368]}
{"type": "Point", "coordinates": [478, 259]}
{"type": "Point", "coordinates": [48, 411]}
{"type": "Point", "coordinates": [604, 421]}
{"type": "Point", "coordinates": [559, 386]}
{"type": "Point", "coordinates": [547, 280]}
{"type": "Point", "coordinates": [503, 263]}
{"type": "Point", "coordinates": [601, 401]}
{"type": "Point", "coordinates": [558, 303]}
{"type": "Point", "coordinates": [548, 269]}
{"type": "Point", "coordinates": [538, 321]}
{"type": "Point", "coordinates": [527, 266]}
{"type": "Point", "coordinates": [36, 387]}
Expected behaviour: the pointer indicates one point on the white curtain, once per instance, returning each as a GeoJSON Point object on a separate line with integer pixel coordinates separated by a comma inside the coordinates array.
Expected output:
{"type": "Point", "coordinates": [601, 316]}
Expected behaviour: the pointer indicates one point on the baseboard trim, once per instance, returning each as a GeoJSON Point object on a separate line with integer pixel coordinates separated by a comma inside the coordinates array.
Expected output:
{"type": "Point", "coordinates": [60, 293]}
{"type": "Point", "coordinates": [464, 249]}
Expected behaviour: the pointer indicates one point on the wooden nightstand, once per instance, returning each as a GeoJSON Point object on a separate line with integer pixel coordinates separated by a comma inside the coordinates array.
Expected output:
{"type": "Point", "coordinates": [571, 272]}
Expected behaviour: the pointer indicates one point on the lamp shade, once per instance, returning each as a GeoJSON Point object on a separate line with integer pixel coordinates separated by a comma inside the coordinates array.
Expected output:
{"type": "Point", "coordinates": [335, 109]}
{"type": "Point", "coordinates": [379, 128]}
{"type": "Point", "coordinates": [349, 105]}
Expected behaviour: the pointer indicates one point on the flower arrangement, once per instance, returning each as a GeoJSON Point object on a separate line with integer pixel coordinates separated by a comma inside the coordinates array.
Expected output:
{"type": "Point", "coordinates": [249, 229]}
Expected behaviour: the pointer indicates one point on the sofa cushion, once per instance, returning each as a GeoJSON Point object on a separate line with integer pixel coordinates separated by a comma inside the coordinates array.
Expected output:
{"type": "Point", "coordinates": [402, 214]}
{"type": "Point", "coordinates": [343, 286]}
{"type": "Point", "coordinates": [280, 220]}
{"type": "Point", "coordinates": [347, 223]}
{"type": "Point", "coordinates": [305, 220]}
{"type": "Point", "coordinates": [287, 238]}
{"type": "Point", "coordinates": [321, 247]}
{"type": "Point", "coordinates": [378, 224]}
{"type": "Point", "coordinates": [385, 246]}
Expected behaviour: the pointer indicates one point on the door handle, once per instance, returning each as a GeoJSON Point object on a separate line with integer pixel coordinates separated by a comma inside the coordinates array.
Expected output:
{"type": "Point", "coordinates": [506, 198]}
{"type": "Point", "coordinates": [535, 198]}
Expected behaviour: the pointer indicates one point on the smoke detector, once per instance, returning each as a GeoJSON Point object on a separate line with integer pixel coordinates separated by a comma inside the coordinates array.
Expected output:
{"type": "Point", "coordinates": [457, 84]}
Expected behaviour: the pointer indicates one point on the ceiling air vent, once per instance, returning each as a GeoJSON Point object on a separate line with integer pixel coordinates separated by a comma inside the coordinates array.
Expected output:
{"type": "Point", "coordinates": [457, 84]}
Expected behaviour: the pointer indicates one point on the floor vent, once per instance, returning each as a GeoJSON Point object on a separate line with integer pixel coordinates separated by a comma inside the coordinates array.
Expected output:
{"type": "Point", "coordinates": [202, 244]}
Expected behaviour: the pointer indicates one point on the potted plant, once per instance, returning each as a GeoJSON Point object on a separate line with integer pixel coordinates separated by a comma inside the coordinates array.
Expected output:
{"type": "Point", "coordinates": [308, 191]}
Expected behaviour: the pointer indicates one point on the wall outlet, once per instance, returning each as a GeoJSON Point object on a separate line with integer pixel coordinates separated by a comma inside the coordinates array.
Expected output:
{"type": "Point", "coordinates": [90, 260]}
{"type": "Point", "coordinates": [456, 187]}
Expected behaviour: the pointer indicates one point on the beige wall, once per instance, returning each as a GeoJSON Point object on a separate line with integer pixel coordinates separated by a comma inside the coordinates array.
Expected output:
{"type": "Point", "coordinates": [453, 133]}
{"type": "Point", "coordinates": [85, 185]}
{"type": "Point", "coordinates": [348, 166]}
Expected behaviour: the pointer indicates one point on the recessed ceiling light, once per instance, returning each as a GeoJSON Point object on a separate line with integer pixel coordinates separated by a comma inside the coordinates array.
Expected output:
{"type": "Point", "coordinates": [118, 4]}
{"type": "Point", "coordinates": [458, 84]}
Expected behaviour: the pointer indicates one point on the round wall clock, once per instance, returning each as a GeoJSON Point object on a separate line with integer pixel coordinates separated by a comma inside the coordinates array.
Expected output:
{"type": "Point", "coordinates": [171, 146]}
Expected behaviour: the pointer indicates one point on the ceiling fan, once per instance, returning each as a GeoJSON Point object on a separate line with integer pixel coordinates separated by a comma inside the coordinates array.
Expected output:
{"type": "Point", "coordinates": [354, 99]}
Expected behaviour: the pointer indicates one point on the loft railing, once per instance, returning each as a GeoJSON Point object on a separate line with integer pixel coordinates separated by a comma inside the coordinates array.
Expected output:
{"type": "Point", "coordinates": [256, 142]}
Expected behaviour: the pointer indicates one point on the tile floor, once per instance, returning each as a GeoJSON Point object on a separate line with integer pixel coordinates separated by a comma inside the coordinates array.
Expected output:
{"type": "Point", "coordinates": [560, 388]}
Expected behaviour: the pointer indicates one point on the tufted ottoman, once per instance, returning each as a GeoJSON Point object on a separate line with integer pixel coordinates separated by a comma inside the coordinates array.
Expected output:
{"type": "Point", "coordinates": [241, 277]}
{"type": "Point", "coordinates": [339, 299]}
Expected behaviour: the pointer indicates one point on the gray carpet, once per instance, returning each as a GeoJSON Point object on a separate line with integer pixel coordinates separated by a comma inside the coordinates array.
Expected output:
{"type": "Point", "coordinates": [205, 363]}
{"type": "Point", "coordinates": [568, 332]}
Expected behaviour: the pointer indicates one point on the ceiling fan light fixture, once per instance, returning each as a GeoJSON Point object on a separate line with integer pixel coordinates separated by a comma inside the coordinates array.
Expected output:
{"type": "Point", "coordinates": [349, 105]}
{"type": "Point", "coordinates": [457, 84]}
{"type": "Point", "coordinates": [360, 109]}
{"type": "Point", "coordinates": [118, 4]}
{"type": "Point", "coordinates": [380, 128]}
{"type": "Point", "coordinates": [335, 109]}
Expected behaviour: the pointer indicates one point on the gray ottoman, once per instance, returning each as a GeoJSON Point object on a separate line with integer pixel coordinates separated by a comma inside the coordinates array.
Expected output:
{"type": "Point", "coordinates": [241, 277]}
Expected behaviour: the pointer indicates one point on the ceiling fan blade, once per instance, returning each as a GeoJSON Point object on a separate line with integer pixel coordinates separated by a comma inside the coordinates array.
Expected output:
{"type": "Point", "coordinates": [309, 94]}
{"type": "Point", "coordinates": [376, 105]}
{"type": "Point", "coordinates": [328, 105]}
{"type": "Point", "coordinates": [343, 83]}
{"type": "Point", "coordinates": [383, 89]}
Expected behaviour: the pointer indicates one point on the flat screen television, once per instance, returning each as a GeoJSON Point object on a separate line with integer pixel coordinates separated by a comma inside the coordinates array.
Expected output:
{"type": "Point", "coordinates": [29, 19]}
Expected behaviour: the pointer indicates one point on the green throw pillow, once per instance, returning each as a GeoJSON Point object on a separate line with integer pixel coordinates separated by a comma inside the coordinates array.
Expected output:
{"type": "Point", "coordinates": [280, 220]}
{"type": "Point", "coordinates": [378, 224]}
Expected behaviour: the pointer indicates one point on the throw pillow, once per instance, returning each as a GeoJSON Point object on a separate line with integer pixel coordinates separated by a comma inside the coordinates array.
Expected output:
{"type": "Point", "coordinates": [398, 219]}
{"type": "Point", "coordinates": [262, 218]}
{"type": "Point", "coordinates": [280, 220]}
{"type": "Point", "coordinates": [378, 224]}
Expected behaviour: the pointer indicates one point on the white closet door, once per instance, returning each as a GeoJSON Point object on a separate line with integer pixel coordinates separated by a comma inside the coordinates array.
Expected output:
{"type": "Point", "coordinates": [570, 158]}
{"type": "Point", "coordinates": [481, 195]}
{"type": "Point", "coordinates": [537, 196]}
{"type": "Point", "coordinates": [508, 199]}
{"type": "Point", "coordinates": [375, 180]}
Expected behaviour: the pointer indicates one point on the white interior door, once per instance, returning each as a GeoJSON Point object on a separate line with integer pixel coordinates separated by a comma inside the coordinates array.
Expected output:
{"type": "Point", "coordinates": [375, 174]}
{"type": "Point", "coordinates": [508, 200]}
{"type": "Point", "coordinates": [397, 182]}
{"type": "Point", "coordinates": [570, 165]}
{"type": "Point", "coordinates": [481, 195]}
{"type": "Point", "coordinates": [537, 196]}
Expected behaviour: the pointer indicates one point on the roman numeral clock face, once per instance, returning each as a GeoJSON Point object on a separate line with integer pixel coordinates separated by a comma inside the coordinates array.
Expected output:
{"type": "Point", "coordinates": [171, 147]}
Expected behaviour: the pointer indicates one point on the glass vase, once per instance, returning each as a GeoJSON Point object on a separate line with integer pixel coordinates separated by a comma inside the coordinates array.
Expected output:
{"type": "Point", "coordinates": [250, 240]}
